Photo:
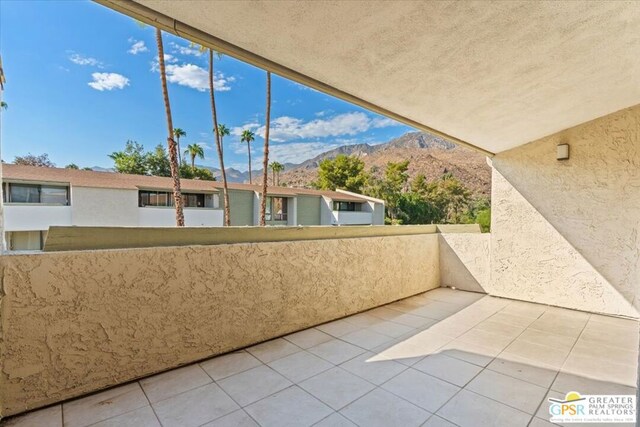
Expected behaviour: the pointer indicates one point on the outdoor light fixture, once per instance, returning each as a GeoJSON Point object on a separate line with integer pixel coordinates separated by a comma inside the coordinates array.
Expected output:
{"type": "Point", "coordinates": [562, 152]}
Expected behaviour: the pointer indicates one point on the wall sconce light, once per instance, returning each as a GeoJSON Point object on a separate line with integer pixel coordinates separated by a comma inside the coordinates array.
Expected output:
{"type": "Point", "coordinates": [562, 152]}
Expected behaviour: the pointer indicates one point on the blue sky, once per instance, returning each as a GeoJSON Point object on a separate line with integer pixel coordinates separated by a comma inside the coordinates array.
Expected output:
{"type": "Point", "coordinates": [81, 81]}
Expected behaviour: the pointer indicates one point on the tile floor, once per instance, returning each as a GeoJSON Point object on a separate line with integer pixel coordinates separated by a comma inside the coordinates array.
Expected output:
{"type": "Point", "coordinates": [442, 358]}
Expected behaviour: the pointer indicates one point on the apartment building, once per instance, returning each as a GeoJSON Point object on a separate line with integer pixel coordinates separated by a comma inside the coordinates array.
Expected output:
{"type": "Point", "coordinates": [36, 198]}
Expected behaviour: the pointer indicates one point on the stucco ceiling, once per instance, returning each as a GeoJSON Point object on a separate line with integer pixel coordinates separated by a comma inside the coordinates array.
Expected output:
{"type": "Point", "coordinates": [494, 74]}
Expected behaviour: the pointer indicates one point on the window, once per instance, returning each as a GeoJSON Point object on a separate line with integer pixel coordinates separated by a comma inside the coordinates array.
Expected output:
{"type": "Point", "coordinates": [347, 206]}
{"type": "Point", "coordinates": [165, 198]}
{"type": "Point", "coordinates": [276, 209]}
{"type": "Point", "coordinates": [30, 193]}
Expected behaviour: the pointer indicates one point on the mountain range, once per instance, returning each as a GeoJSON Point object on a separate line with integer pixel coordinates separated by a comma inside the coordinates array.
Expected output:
{"type": "Point", "coordinates": [427, 154]}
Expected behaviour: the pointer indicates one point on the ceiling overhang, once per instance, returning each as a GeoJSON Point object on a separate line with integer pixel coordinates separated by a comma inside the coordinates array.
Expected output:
{"type": "Point", "coordinates": [491, 75]}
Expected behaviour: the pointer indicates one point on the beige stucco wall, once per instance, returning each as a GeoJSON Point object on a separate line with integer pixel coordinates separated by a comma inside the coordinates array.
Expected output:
{"type": "Point", "coordinates": [74, 322]}
{"type": "Point", "coordinates": [464, 260]}
{"type": "Point", "coordinates": [567, 232]}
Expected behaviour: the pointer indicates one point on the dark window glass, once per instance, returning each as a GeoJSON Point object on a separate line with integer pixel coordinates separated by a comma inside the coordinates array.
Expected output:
{"type": "Point", "coordinates": [347, 206]}
{"type": "Point", "coordinates": [24, 193]}
{"type": "Point", "coordinates": [54, 195]}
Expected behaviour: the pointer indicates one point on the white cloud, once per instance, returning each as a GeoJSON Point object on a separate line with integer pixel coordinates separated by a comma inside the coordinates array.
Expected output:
{"type": "Point", "coordinates": [108, 81]}
{"type": "Point", "coordinates": [298, 152]}
{"type": "Point", "coordinates": [78, 59]}
{"type": "Point", "coordinates": [186, 50]}
{"type": "Point", "coordinates": [383, 122]}
{"type": "Point", "coordinates": [137, 47]}
{"type": "Point", "coordinates": [192, 76]}
{"type": "Point", "coordinates": [287, 128]}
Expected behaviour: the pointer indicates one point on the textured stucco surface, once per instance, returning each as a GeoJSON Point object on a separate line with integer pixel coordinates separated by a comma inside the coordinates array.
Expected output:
{"type": "Point", "coordinates": [464, 260]}
{"type": "Point", "coordinates": [500, 73]}
{"type": "Point", "coordinates": [566, 232]}
{"type": "Point", "coordinates": [74, 322]}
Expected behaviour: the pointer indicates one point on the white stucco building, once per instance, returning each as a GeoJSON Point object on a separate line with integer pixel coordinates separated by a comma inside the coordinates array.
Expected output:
{"type": "Point", "coordinates": [36, 198]}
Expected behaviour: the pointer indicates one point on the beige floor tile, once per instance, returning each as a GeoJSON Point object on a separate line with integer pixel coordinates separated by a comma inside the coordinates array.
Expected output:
{"type": "Point", "coordinates": [547, 356]}
{"type": "Point", "coordinates": [585, 347]}
{"type": "Point", "coordinates": [374, 371]}
{"type": "Point", "coordinates": [229, 364]}
{"type": "Point", "coordinates": [380, 408]}
{"type": "Point", "coordinates": [512, 319]}
{"type": "Point", "coordinates": [617, 322]}
{"type": "Point", "coordinates": [510, 391]}
{"type": "Point", "coordinates": [559, 325]}
{"type": "Point", "coordinates": [238, 418]}
{"type": "Point", "coordinates": [548, 339]}
{"type": "Point", "coordinates": [176, 381]}
{"type": "Point", "coordinates": [366, 338]}
{"type": "Point", "coordinates": [336, 351]}
{"type": "Point", "coordinates": [449, 369]}
{"type": "Point", "coordinates": [195, 407]}
{"type": "Point", "coordinates": [412, 321]}
{"type": "Point", "coordinates": [255, 384]}
{"type": "Point", "coordinates": [47, 417]}
{"type": "Point", "coordinates": [524, 309]}
{"type": "Point", "coordinates": [101, 406]}
{"type": "Point", "coordinates": [391, 329]}
{"type": "Point", "coordinates": [290, 407]}
{"type": "Point", "coordinates": [428, 341]}
{"type": "Point", "coordinates": [486, 339]}
{"type": "Point", "coordinates": [499, 328]}
{"type": "Point", "coordinates": [143, 417]}
{"type": "Point", "coordinates": [566, 382]}
{"type": "Point", "coordinates": [524, 369]}
{"type": "Point", "coordinates": [300, 366]}
{"type": "Point", "coordinates": [601, 369]}
{"type": "Point", "coordinates": [472, 353]}
{"type": "Point", "coordinates": [400, 351]}
{"type": "Point", "coordinates": [436, 421]}
{"type": "Point", "coordinates": [611, 337]}
{"type": "Point", "coordinates": [468, 409]}
{"type": "Point", "coordinates": [538, 422]}
{"type": "Point", "coordinates": [273, 350]}
{"type": "Point", "coordinates": [308, 338]}
{"type": "Point", "coordinates": [363, 320]}
{"type": "Point", "coordinates": [337, 387]}
{"type": "Point", "coordinates": [423, 390]}
{"type": "Point", "coordinates": [335, 420]}
{"type": "Point", "coordinates": [386, 313]}
{"type": "Point", "coordinates": [338, 328]}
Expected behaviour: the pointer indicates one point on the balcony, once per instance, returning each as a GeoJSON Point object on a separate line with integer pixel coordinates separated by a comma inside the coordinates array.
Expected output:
{"type": "Point", "coordinates": [193, 217]}
{"type": "Point", "coordinates": [290, 334]}
{"type": "Point", "coordinates": [351, 218]}
{"type": "Point", "coordinates": [439, 357]}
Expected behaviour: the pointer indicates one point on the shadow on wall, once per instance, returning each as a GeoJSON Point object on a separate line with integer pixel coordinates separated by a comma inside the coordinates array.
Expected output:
{"type": "Point", "coordinates": [464, 261]}
{"type": "Point", "coordinates": [567, 232]}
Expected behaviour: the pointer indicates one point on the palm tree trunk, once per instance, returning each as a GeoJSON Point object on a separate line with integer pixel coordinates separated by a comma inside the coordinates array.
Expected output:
{"type": "Point", "coordinates": [193, 161]}
{"type": "Point", "coordinates": [173, 157]}
{"type": "Point", "coordinates": [273, 177]}
{"type": "Point", "coordinates": [225, 190]}
{"type": "Point", "coordinates": [249, 148]}
{"type": "Point", "coordinates": [265, 161]}
{"type": "Point", "coordinates": [179, 151]}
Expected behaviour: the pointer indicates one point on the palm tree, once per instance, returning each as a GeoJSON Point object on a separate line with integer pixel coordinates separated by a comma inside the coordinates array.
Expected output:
{"type": "Point", "coordinates": [248, 137]}
{"type": "Point", "coordinates": [225, 188]}
{"type": "Point", "coordinates": [265, 160]}
{"type": "Point", "coordinates": [194, 150]}
{"type": "Point", "coordinates": [3, 105]}
{"type": "Point", "coordinates": [173, 152]}
{"type": "Point", "coordinates": [223, 131]}
{"type": "Point", "coordinates": [276, 168]}
{"type": "Point", "coordinates": [177, 132]}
